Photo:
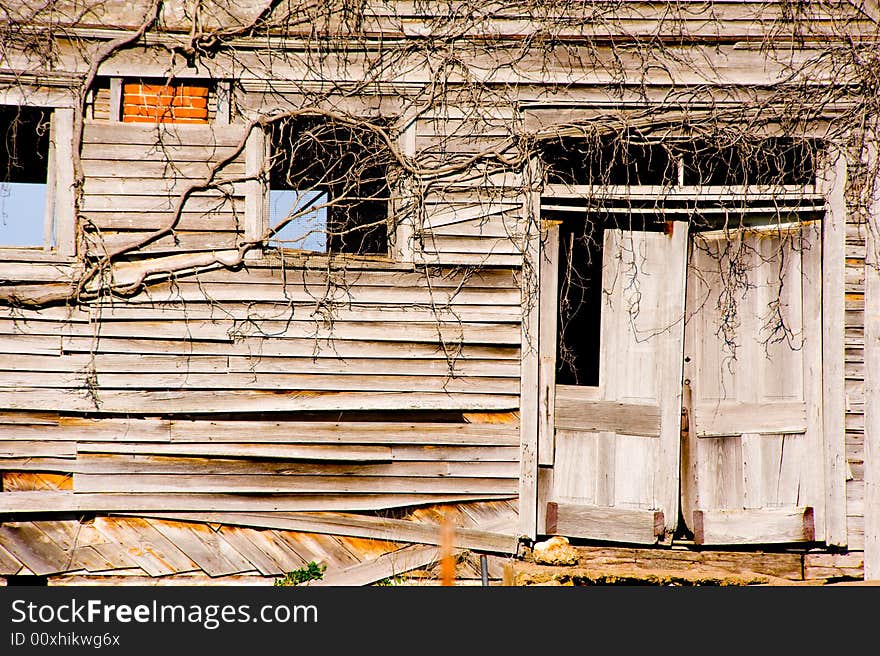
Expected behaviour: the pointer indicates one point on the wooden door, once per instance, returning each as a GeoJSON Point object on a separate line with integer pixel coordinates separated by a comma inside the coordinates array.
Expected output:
{"type": "Point", "coordinates": [617, 445]}
{"type": "Point", "coordinates": [752, 462]}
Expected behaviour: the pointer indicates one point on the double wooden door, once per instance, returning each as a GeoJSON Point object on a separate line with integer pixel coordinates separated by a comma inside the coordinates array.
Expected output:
{"type": "Point", "coordinates": [707, 411]}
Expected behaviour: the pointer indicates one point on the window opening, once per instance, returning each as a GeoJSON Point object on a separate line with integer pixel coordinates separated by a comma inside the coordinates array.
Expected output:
{"type": "Point", "coordinates": [329, 182]}
{"type": "Point", "coordinates": [24, 167]}
{"type": "Point", "coordinates": [583, 217]}
{"type": "Point", "coordinates": [576, 161]}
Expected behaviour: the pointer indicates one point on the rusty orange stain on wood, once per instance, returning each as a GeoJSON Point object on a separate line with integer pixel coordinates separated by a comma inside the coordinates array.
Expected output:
{"type": "Point", "coordinates": [31, 481]}
{"type": "Point", "coordinates": [491, 417]}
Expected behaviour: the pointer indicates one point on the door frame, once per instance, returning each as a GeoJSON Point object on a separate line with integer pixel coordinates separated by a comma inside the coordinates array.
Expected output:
{"type": "Point", "coordinates": [539, 354]}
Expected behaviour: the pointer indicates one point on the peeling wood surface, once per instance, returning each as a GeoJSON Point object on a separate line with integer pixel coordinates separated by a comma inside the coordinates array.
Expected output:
{"type": "Point", "coordinates": [218, 547]}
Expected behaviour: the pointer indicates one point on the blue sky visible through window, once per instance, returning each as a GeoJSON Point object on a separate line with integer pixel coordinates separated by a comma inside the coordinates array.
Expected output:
{"type": "Point", "coordinates": [22, 213]}
{"type": "Point", "coordinates": [305, 232]}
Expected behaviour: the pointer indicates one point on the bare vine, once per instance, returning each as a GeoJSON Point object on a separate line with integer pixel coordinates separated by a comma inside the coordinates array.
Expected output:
{"type": "Point", "coordinates": [429, 97]}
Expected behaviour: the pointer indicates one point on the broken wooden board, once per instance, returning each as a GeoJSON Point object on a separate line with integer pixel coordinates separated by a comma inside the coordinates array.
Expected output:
{"type": "Point", "coordinates": [602, 523]}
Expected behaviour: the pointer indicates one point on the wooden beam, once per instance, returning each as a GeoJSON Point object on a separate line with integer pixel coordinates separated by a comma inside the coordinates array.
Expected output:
{"type": "Point", "coordinates": [58, 502]}
{"type": "Point", "coordinates": [548, 309]}
{"type": "Point", "coordinates": [667, 489]}
{"type": "Point", "coordinates": [403, 210]}
{"type": "Point", "coordinates": [762, 526]}
{"type": "Point", "coordinates": [721, 419]}
{"type": "Point", "coordinates": [872, 374]}
{"type": "Point", "coordinates": [385, 566]}
{"type": "Point", "coordinates": [275, 484]}
{"type": "Point", "coordinates": [115, 108]}
{"type": "Point", "coordinates": [256, 219]}
{"type": "Point", "coordinates": [598, 416]}
{"type": "Point", "coordinates": [357, 526]}
{"type": "Point", "coordinates": [832, 180]}
{"type": "Point", "coordinates": [605, 523]}
{"type": "Point", "coordinates": [64, 201]}
{"type": "Point", "coordinates": [528, 479]}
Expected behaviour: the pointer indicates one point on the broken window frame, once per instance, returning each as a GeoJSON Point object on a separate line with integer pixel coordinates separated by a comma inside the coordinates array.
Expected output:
{"type": "Point", "coordinates": [59, 231]}
{"type": "Point", "coordinates": [323, 202]}
{"type": "Point", "coordinates": [766, 202]}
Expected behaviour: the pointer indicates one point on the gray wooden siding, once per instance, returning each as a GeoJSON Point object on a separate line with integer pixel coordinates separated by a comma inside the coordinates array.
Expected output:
{"type": "Point", "coordinates": [134, 175]}
{"type": "Point", "coordinates": [105, 391]}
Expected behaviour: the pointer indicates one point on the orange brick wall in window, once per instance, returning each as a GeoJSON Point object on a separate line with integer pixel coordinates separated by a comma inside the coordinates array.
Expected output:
{"type": "Point", "coordinates": [164, 103]}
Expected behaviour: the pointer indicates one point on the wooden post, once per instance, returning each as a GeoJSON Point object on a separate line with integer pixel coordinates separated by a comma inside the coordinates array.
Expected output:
{"type": "Point", "coordinates": [528, 478]}
{"type": "Point", "coordinates": [256, 221]}
{"type": "Point", "coordinates": [404, 228]}
{"type": "Point", "coordinates": [548, 305]}
{"type": "Point", "coordinates": [832, 519]}
{"type": "Point", "coordinates": [65, 215]}
{"type": "Point", "coordinates": [115, 99]}
{"type": "Point", "coordinates": [872, 372]}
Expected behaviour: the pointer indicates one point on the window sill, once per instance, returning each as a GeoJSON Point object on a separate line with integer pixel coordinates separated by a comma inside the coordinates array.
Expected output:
{"type": "Point", "coordinates": [34, 254]}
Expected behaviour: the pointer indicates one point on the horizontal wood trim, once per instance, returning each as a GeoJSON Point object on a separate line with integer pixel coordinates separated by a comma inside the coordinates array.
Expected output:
{"type": "Point", "coordinates": [342, 294]}
{"type": "Point", "coordinates": [34, 448]}
{"type": "Point", "coordinates": [468, 259]}
{"type": "Point", "coordinates": [99, 245]}
{"type": "Point", "coordinates": [328, 434]}
{"type": "Point", "coordinates": [279, 484]}
{"type": "Point", "coordinates": [317, 334]}
{"type": "Point", "coordinates": [363, 526]}
{"type": "Point", "coordinates": [757, 526]}
{"type": "Point", "coordinates": [604, 523]}
{"type": "Point", "coordinates": [477, 244]}
{"type": "Point", "coordinates": [716, 420]}
{"type": "Point", "coordinates": [161, 201]}
{"type": "Point", "coordinates": [328, 364]}
{"type": "Point", "coordinates": [130, 464]}
{"type": "Point", "coordinates": [257, 381]}
{"type": "Point", "coordinates": [310, 452]}
{"type": "Point", "coordinates": [144, 190]}
{"type": "Point", "coordinates": [597, 416]}
{"type": "Point", "coordinates": [199, 401]}
{"type": "Point", "coordinates": [45, 501]}
{"type": "Point", "coordinates": [170, 153]}
{"type": "Point", "coordinates": [156, 170]}
{"type": "Point", "coordinates": [255, 347]}
{"type": "Point", "coordinates": [165, 136]}
{"type": "Point", "coordinates": [223, 219]}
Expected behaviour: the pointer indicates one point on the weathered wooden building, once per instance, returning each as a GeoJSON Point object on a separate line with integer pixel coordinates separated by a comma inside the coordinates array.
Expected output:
{"type": "Point", "coordinates": [309, 265]}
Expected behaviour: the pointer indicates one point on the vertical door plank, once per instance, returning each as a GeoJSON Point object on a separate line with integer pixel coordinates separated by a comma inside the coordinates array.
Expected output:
{"type": "Point", "coordinates": [752, 468]}
{"type": "Point", "coordinates": [819, 473]}
{"type": "Point", "coordinates": [605, 468]}
{"type": "Point", "coordinates": [548, 316]}
{"type": "Point", "coordinates": [575, 473]}
{"type": "Point", "coordinates": [832, 180]}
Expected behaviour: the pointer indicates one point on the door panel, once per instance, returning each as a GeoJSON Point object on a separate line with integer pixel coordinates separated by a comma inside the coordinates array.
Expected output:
{"type": "Point", "coordinates": [614, 442]}
{"type": "Point", "coordinates": [753, 377]}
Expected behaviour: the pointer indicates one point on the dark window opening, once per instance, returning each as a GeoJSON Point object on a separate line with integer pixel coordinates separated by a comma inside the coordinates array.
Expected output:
{"type": "Point", "coordinates": [580, 303]}
{"type": "Point", "coordinates": [581, 253]}
{"type": "Point", "coordinates": [331, 180]}
{"type": "Point", "coordinates": [619, 161]}
{"type": "Point", "coordinates": [24, 168]}
{"type": "Point", "coordinates": [773, 161]}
